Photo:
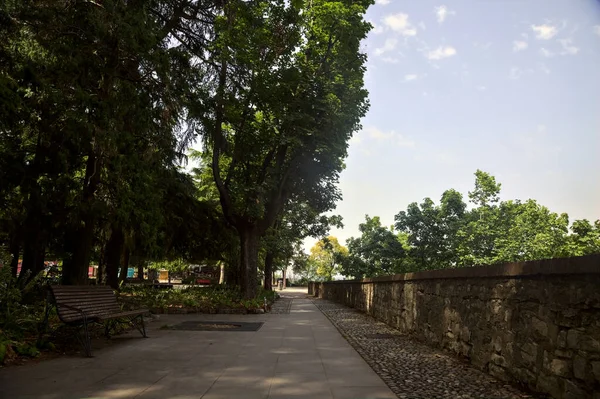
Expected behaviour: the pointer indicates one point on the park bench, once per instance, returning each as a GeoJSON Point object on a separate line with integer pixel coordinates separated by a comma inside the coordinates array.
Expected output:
{"type": "Point", "coordinates": [82, 305]}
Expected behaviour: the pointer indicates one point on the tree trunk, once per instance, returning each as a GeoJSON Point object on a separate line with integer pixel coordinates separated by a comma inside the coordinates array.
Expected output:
{"type": "Point", "coordinates": [34, 253]}
{"type": "Point", "coordinates": [125, 265]}
{"type": "Point", "coordinates": [101, 270]}
{"type": "Point", "coordinates": [283, 273]}
{"type": "Point", "coordinates": [269, 270]}
{"type": "Point", "coordinates": [221, 272]}
{"type": "Point", "coordinates": [114, 250]}
{"type": "Point", "coordinates": [75, 269]}
{"type": "Point", "coordinates": [140, 268]}
{"type": "Point", "coordinates": [249, 241]}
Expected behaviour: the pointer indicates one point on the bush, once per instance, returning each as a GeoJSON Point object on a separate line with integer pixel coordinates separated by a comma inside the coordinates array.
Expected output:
{"type": "Point", "coordinates": [19, 319]}
{"type": "Point", "coordinates": [202, 299]}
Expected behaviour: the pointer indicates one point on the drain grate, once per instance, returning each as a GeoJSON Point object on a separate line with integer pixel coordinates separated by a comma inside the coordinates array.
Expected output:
{"type": "Point", "coordinates": [380, 336]}
{"type": "Point", "coordinates": [215, 326]}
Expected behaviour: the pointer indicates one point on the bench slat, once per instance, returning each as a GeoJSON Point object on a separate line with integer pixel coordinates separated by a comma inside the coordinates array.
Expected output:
{"type": "Point", "coordinates": [98, 302]}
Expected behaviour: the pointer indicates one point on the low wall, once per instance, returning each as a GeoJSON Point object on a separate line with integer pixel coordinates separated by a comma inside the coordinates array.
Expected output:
{"type": "Point", "coordinates": [534, 323]}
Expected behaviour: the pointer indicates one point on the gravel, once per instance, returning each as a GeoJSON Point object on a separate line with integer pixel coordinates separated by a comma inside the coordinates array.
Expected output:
{"type": "Point", "coordinates": [410, 368]}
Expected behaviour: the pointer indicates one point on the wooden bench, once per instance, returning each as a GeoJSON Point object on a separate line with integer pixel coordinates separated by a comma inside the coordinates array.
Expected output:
{"type": "Point", "coordinates": [83, 305]}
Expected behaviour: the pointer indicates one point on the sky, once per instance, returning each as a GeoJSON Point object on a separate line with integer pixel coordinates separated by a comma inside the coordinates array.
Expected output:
{"type": "Point", "coordinates": [511, 87]}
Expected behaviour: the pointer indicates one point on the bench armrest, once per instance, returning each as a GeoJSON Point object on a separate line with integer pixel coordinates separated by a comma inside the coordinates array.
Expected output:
{"type": "Point", "coordinates": [59, 304]}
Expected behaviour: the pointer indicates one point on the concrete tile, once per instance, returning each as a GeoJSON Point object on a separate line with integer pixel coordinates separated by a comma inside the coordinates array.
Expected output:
{"type": "Point", "coordinates": [299, 355]}
{"type": "Point", "coordinates": [223, 391]}
{"type": "Point", "coordinates": [355, 378]}
{"type": "Point", "coordinates": [362, 393]}
{"type": "Point", "coordinates": [178, 386]}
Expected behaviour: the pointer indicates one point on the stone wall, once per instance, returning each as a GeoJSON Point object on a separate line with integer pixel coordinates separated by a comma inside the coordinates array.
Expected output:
{"type": "Point", "coordinates": [534, 323]}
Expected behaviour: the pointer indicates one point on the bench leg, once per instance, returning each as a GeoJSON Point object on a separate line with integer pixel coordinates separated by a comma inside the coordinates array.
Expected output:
{"type": "Point", "coordinates": [83, 336]}
{"type": "Point", "coordinates": [107, 329]}
{"type": "Point", "coordinates": [141, 327]}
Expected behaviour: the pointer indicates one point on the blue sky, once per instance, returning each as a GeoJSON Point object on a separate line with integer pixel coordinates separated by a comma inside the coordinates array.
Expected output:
{"type": "Point", "coordinates": [510, 87]}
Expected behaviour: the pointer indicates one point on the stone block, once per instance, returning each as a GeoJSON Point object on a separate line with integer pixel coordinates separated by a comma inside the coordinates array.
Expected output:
{"type": "Point", "coordinates": [498, 372]}
{"type": "Point", "coordinates": [579, 367]}
{"type": "Point", "coordinates": [573, 338]}
{"type": "Point", "coordinates": [498, 360]}
{"type": "Point", "coordinates": [529, 354]}
{"type": "Point", "coordinates": [574, 391]}
{"type": "Point", "coordinates": [549, 384]}
{"type": "Point", "coordinates": [560, 367]}
{"type": "Point", "coordinates": [596, 371]}
{"type": "Point", "coordinates": [589, 343]}
{"type": "Point", "coordinates": [541, 327]}
{"type": "Point", "coordinates": [465, 334]}
{"type": "Point", "coordinates": [562, 339]}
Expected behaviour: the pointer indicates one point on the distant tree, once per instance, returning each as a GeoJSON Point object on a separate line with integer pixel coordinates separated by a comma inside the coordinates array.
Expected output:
{"type": "Point", "coordinates": [585, 239]}
{"type": "Point", "coordinates": [376, 252]}
{"type": "Point", "coordinates": [328, 256]}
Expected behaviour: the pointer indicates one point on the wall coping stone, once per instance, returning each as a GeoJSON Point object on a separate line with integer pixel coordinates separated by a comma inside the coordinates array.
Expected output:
{"type": "Point", "coordinates": [589, 264]}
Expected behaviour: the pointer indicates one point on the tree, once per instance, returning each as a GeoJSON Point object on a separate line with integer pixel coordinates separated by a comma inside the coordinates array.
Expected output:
{"type": "Point", "coordinates": [95, 94]}
{"type": "Point", "coordinates": [585, 239]}
{"type": "Point", "coordinates": [288, 95]}
{"type": "Point", "coordinates": [328, 256]}
{"type": "Point", "coordinates": [376, 252]}
{"type": "Point", "coordinates": [532, 232]}
{"type": "Point", "coordinates": [486, 189]}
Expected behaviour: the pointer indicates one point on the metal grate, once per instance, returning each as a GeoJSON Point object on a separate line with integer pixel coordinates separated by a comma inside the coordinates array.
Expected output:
{"type": "Point", "coordinates": [215, 326]}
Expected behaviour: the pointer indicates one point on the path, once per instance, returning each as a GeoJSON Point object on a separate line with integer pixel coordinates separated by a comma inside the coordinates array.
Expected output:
{"type": "Point", "coordinates": [412, 369]}
{"type": "Point", "coordinates": [293, 356]}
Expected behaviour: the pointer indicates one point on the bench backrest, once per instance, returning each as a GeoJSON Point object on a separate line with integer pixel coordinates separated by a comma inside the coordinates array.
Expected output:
{"type": "Point", "coordinates": [95, 301]}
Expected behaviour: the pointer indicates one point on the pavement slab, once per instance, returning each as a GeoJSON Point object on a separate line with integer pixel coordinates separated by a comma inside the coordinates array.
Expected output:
{"type": "Point", "coordinates": [297, 353]}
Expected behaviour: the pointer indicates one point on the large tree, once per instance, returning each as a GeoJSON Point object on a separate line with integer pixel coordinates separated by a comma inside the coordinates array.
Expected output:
{"type": "Point", "coordinates": [287, 97]}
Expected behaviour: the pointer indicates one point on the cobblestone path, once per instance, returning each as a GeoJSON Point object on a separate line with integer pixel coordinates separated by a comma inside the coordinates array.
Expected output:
{"type": "Point", "coordinates": [411, 369]}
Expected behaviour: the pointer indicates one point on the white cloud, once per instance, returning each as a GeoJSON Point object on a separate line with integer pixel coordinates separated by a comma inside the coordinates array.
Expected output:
{"type": "Point", "coordinates": [399, 23]}
{"type": "Point", "coordinates": [423, 27]}
{"type": "Point", "coordinates": [378, 135]}
{"type": "Point", "coordinates": [568, 48]}
{"type": "Point", "coordinates": [405, 142]}
{"type": "Point", "coordinates": [597, 29]}
{"type": "Point", "coordinates": [483, 46]}
{"type": "Point", "coordinates": [389, 45]}
{"type": "Point", "coordinates": [441, 52]}
{"type": "Point", "coordinates": [544, 32]}
{"type": "Point", "coordinates": [382, 2]}
{"type": "Point", "coordinates": [519, 45]}
{"type": "Point", "coordinates": [544, 68]}
{"type": "Point", "coordinates": [546, 53]}
{"type": "Point", "coordinates": [410, 77]}
{"type": "Point", "coordinates": [442, 12]}
{"type": "Point", "coordinates": [377, 29]}
{"type": "Point", "coordinates": [481, 88]}
{"type": "Point", "coordinates": [390, 60]}
{"type": "Point", "coordinates": [515, 73]}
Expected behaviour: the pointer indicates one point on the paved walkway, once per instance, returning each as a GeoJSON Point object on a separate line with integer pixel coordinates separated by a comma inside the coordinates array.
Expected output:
{"type": "Point", "coordinates": [293, 356]}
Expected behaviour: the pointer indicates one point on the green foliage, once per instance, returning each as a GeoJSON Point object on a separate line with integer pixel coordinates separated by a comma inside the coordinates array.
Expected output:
{"type": "Point", "coordinates": [19, 322]}
{"type": "Point", "coordinates": [201, 299]}
{"type": "Point", "coordinates": [376, 252]}
{"type": "Point", "coordinates": [327, 257]}
{"type": "Point", "coordinates": [493, 231]}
